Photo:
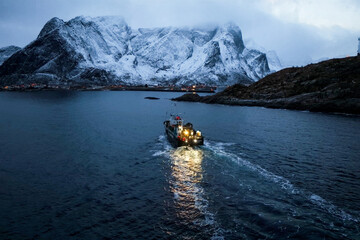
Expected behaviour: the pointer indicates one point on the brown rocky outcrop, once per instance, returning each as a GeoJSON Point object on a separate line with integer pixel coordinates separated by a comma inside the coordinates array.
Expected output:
{"type": "Point", "coordinates": [329, 86]}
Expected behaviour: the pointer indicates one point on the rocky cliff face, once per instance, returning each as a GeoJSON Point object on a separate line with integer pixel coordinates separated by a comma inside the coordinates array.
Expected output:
{"type": "Point", "coordinates": [6, 52]}
{"type": "Point", "coordinates": [271, 56]}
{"type": "Point", "coordinates": [105, 50]}
{"type": "Point", "coordinates": [329, 86]}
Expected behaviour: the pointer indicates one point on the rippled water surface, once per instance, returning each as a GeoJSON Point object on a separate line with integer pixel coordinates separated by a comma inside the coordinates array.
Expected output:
{"type": "Point", "coordinates": [97, 165]}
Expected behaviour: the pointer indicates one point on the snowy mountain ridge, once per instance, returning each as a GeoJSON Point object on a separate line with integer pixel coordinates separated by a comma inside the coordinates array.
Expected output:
{"type": "Point", "coordinates": [272, 57]}
{"type": "Point", "coordinates": [105, 50]}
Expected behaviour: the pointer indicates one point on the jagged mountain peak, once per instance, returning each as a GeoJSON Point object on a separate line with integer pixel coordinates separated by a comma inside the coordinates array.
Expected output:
{"type": "Point", "coordinates": [51, 25]}
{"type": "Point", "coordinates": [106, 20]}
{"type": "Point", "coordinates": [230, 26]}
{"type": "Point", "coordinates": [107, 50]}
{"type": "Point", "coordinates": [11, 47]}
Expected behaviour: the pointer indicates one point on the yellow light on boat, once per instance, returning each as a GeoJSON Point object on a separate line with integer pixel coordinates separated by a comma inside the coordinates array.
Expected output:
{"type": "Point", "coordinates": [198, 133]}
{"type": "Point", "coordinates": [186, 132]}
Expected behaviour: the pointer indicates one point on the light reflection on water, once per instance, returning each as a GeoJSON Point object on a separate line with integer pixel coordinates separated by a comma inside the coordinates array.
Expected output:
{"type": "Point", "coordinates": [189, 196]}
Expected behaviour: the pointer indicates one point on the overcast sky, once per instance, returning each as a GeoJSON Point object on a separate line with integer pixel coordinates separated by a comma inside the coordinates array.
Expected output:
{"type": "Point", "coordinates": [299, 31]}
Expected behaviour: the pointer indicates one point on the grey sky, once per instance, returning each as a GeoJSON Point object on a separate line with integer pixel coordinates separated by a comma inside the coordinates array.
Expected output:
{"type": "Point", "coordinates": [298, 30]}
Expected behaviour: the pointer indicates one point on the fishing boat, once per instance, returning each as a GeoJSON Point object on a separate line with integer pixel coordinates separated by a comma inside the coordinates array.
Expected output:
{"type": "Point", "coordinates": [182, 135]}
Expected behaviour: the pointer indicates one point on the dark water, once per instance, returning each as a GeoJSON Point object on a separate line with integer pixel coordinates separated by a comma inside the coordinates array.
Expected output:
{"type": "Point", "coordinates": [96, 165]}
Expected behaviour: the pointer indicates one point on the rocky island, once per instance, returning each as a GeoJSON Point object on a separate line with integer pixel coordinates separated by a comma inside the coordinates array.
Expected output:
{"type": "Point", "coordinates": [329, 86]}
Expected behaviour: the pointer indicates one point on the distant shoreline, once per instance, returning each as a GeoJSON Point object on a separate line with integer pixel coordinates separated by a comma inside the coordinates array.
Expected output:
{"type": "Point", "coordinates": [34, 88]}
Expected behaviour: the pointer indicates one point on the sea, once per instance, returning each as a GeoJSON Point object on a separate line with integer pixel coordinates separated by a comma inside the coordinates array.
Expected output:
{"type": "Point", "coordinates": [98, 165]}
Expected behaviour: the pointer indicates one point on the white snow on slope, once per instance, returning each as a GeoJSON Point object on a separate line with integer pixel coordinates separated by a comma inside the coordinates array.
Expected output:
{"type": "Point", "coordinates": [208, 55]}
{"type": "Point", "coordinates": [273, 59]}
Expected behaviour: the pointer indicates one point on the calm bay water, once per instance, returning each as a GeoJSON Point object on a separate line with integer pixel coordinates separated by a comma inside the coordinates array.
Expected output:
{"type": "Point", "coordinates": [96, 165]}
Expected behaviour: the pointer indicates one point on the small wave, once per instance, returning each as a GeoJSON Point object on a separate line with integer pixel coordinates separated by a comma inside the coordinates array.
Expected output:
{"type": "Point", "coordinates": [161, 138]}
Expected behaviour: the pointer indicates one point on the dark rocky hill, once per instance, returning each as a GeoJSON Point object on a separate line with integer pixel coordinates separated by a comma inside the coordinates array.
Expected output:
{"type": "Point", "coordinates": [329, 86]}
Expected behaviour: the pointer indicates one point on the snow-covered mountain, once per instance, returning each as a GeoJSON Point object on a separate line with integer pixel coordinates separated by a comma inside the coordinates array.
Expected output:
{"type": "Point", "coordinates": [274, 61]}
{"type": "Point", "coordinates": [105, 50]}
{"type": "Point", "coordinates": [272, 58]}
{"type": "Point", "coordinates": [6, 52]}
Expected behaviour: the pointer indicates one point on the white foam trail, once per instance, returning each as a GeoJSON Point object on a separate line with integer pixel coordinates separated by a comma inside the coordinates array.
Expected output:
{"type": "Point", "coordinates": [163, 145]}
{"type": "Point", "coordinates": [219, 149]}
{"type": "Point", "coordinates": [160, 153]}
{"type": "Point", "coordinates": [331, 208]}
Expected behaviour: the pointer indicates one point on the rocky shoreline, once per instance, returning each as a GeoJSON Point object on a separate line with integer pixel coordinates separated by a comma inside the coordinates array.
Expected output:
{"type": "Point", "coordinates": [329, 86]}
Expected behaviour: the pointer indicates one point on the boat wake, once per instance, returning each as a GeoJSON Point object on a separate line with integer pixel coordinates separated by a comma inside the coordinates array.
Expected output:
{"type": "Point", "coordinates": [191, 199]}
{"type": "Point", "coordinates": [326, 206]}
